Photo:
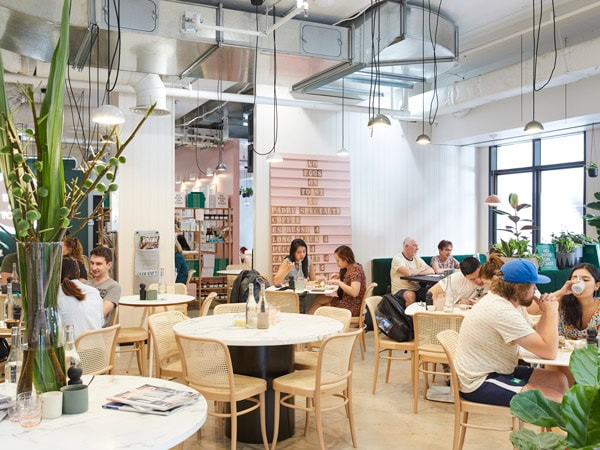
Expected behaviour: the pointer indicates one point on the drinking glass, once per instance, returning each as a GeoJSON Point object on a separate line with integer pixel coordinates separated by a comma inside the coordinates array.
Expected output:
{"type": "Point", "coordinates": [29, 407]}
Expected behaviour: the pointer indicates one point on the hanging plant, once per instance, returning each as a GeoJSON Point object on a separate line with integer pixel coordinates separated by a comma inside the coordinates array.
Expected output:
{"type": "Point", "coordinates": [592, 169]}
{"type": "Point", "coordinates": [246, 192]}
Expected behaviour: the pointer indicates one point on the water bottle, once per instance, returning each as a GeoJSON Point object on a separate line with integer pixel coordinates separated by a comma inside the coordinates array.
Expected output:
{"type": "Point", "coordinates": [12, 367]}
{"type": "Point", "coordinates": [162, 285]}
{"type": "Point", "coordinates": [251, 308]}
{"type": "Point", "coordinates": [72, 358]}
{"type": "Point", "coordinates": [385, 325]}
{"type": "Point", "coordinates": [300, 281]}
{"type": "Point", "coordinates": [262, 310]}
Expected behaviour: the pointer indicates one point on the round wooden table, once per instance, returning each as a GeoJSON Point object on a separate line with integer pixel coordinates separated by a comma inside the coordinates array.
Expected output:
{"type": "Point", "coordinates": [266, 354]}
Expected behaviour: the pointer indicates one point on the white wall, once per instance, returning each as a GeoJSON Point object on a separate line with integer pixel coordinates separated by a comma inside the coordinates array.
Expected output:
{"type": "Point", "coordinates": [399, 188]}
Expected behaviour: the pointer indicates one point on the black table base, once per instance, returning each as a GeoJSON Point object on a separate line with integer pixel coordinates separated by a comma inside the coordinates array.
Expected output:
{"type": "Point", "coordinates": [266, 362]}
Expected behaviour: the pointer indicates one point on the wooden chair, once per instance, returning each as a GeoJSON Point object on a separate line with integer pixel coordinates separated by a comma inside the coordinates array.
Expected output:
{"type": "Point", "coordinates": [134, 340]}
{"type": "Point", "coordinates": [174, 288]}
{"type": "Point", "coordinates": [226, 308]}
{"type": "Point", "coordinates": [166, 353]}
{"type": "Point", "coordinates": [308, 359]}
{"type": "Point", "coordinates": [462, 408]}
{"type": "Point", "coordinates": [190, 275]}
{"type": "Point", "coordinates": [429, 351]}
{"type": "Point", "coordinates": [331, 378]}
{"type": "Point", "coordinates": [205, 308]}
{"type": "Point", "coordinates": [385, 347]}
{"type": "Point", "coordinates": [288, 301]}
{"type": "Point", "coordinates": [96, 349]}
{"type": "Point", "coordinates": [231, 278]}
{"type": "Point", "coordinates": [207, 368]}
{"type": "Point", "coordinates": [359, 322]}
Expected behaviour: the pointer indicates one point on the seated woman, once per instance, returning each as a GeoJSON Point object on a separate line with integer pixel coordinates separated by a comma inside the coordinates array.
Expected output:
{"type": "Point", "coordinates": [489, 268]}
{"type": "Point", "coordinates": [351, 284]}
{"type": "Point", "coordinates": [287, 269]}
{"type": "Point", "coordinates": [444, 260]}
{"type": "Point", "coordinates": [73, 249]}
{"type": "Point", "coordinates": [79, 303]}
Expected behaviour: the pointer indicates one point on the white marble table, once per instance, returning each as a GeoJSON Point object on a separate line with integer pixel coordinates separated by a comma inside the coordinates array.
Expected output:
{"type": "Point", "coordinates": [99, 428]}
{"type": "Point", "coordinates": [266, 354]}
{"type": "Point", "coordinates": [562, 358]}
{"type": "Point", "coordinates": [230, 271]}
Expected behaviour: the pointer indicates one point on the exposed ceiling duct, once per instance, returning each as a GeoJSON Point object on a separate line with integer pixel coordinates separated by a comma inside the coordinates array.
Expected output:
{"type": "Point", "coordinates": [150, 89]}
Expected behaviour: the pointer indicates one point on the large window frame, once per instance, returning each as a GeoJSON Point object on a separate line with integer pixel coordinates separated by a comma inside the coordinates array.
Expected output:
{"type": "Point", "coordinates": [536, 170]}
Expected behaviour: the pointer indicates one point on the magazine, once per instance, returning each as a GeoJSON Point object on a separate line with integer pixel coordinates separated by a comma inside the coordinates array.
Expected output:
{"type": "Point", "coordinates": [123, 407]}
{"type": "Point", "coordinates": [155, 397]}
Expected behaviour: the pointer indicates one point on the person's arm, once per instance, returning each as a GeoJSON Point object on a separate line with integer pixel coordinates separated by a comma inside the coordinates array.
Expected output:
{"type": "Point", "coordinates": [435, 266]}
{"type": "Point", "coordinates": [423, 268]}
{"type": "Point", "coordinates": [284, 268]}
{"type": "Point", "coordinates": [436, 289]}
{"type": "Point", "coordinates": [544, 342]}
{"type": "Point", "coordinates": [352, 290]}
{"type": "Point", "coordinates": [311, 273]}
{"type": "Point", "coordinates": [107, 307]}
{"type": "Point", "coordinates": [111, 299]}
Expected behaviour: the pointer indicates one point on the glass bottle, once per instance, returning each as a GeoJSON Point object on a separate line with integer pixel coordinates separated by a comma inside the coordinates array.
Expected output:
{"type": "Point", "coordinates": [12, 367]}
{"type": "Point", "coordinates": [15, 274]}
{"type": "Point", "coordinates": [162, 285]}
{"type": "Point", "coordinates": [9, 302]}
{"type": "Point", "coordinates": [72, 358]}
{"type": "Point", "coordinates": [300, 281]}
{"type": "Point", "coordinates": [251, 308]}
{"type": "Point", "coordinates": [262, 313]}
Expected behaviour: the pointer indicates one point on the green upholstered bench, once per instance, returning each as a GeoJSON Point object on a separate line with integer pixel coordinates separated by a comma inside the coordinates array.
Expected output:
{"type": "Point", "coordinates": [380, 271]}
{"type": "Point", "coordinates": [557, 279]}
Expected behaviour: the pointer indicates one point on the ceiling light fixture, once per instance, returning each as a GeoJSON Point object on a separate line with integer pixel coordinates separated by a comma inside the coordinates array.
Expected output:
{"type": "Point", "coordinates": [376, 120]}
{"type": "Point", "coordinates": [108, 115]}
{"type": "Point", "coordinates": [343, 151]}
{"type": "Point", "coordinates": [423, 139]}
{"type": "Point", "coordinates": [493, 200]}
{"type": "Point", "coordinates": [274, 158]}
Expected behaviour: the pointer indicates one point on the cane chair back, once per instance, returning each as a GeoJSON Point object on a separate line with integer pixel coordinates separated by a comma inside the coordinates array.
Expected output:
{"type": "Point", "coordinates": [227, 308]}
{"type": "Point", "coordinates": [205, 308]}
{"type": "Point", "coordinates": [287, 301]}
{"type": "Point", "coordinates": [96, 349]}
{"type": "Point", "coordinates": [166, 352]}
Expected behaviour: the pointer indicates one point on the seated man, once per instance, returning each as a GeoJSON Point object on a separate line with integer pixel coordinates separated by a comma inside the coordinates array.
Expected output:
{"type": "Point", "coordinates": [100, 264]}
{"type": "Point", "coordinates": [405, 264]}
{"type": "Point", "coordinates": [464, 286]}
{"type": "Point", "coordinates": [491, 333]}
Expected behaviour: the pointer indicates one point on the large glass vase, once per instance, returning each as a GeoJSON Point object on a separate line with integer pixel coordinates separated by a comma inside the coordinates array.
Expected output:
{"type": "Point", "coordinates": [43, 360]}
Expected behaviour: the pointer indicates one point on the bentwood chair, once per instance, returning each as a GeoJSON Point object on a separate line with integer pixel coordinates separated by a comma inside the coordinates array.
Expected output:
{"type": "Point", "coordinates": [96, 350]}
{"type": "Point", "coordinates": [205, 308]}
{"type": "Point", "coordinates": [462, 408]}
{"type": "Point", "coordinates": [429, 351]}
{"type": "Point", "coordinates": [287, 301]}
{"type": "Point", "coordinates": [166, 353]}
{"type": "Point", "coordinates": [331, 378]}
{"type": "Point", "coordinates": [385, 347]}
{"type": "Point", "coordinates": [133, 340]}
{"type": "Point", "coordinates": [207, 368]}
{"type": "Point", "coordinates": [226, 308]}
{"type": "Point", "coordinates": [308, 359]}
{"type": "Point", "coordinates": [174, 288]}
{"type": "Point", "coordinates": [359, 322]}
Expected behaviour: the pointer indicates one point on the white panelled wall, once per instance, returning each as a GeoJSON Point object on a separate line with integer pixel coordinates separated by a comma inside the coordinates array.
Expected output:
{"type": "Point", "coordinates": [399, 188]}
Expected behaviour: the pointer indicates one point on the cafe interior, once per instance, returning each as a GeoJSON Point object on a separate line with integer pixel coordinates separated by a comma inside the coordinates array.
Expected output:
{"type": "Point", "coordinates": [427, 108]}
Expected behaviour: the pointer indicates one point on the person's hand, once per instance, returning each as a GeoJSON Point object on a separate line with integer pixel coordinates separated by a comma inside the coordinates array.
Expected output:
{"type": "Point", "coordinates": [547, 302]}
{"type": "Point", "coordinates": [335, 276]}
{"type": "Point", "coordinates": [566, 288]}
{"type": "Point", "coordinates": [335, 281]}
{"type": "Point", "coordinates": [288, 265]}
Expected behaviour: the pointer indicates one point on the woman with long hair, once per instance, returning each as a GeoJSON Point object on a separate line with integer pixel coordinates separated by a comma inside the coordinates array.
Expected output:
{"type": "Point", "coordinates": [351, 283]}
{"type": "Point", "coordinates": [287, 269]}
{"type": "Point", "coordinates": [79, 304]}
{"type": "Point", "coordinates": [73, 249]}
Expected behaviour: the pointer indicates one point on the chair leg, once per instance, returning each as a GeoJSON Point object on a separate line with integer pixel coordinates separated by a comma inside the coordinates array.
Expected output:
{"type": "Point", "coordinates": [309, 405]}
{"type": "Point", "coordinates": [263, 426]}
{"type": "Point", "coordinates": [363, 347]}
{"type": "Point", "coordinates": [319, 421]}
{"type": "Point", "coordinates": [350, 414]}
{"type": "Point", "coordinates": [376, 371]}
{"type": "Point", "coordinates": [462, 430]}
{"type": "Point", "coordinates": [277, 396]}
{"type": "Point", "coordinates": [233, 415]}
{"type": "Point", "coordinates": [389, 365]}
{"type": "Point", "coordinates": [415, 382]}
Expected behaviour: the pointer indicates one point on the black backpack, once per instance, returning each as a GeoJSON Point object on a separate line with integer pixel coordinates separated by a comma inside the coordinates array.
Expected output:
{"type": "Point", "coordinates": [392, 320]}
{"type": "Point", "coordinates": [239, 290]}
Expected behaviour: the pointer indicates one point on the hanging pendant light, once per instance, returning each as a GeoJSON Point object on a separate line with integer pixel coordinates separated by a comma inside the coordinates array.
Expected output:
{"type": "Point", "coordinates": [493, 200]}
{"type": "Point", "coordinates": [376, 120]}
{"type": "Point", "coordinates": [423, 139]}
{"type": "Point", "coordinates": [534, 126]}
{"type": "Point", "coordinates": [274, 157]}
{"type": "Point", "coordinates": [343, 151]}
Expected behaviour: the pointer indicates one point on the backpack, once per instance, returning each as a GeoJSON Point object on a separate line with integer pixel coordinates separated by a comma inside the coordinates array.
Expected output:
{"type": "Point", "coordinates": [239, 290]}
{"type": "Point", "coordinates": [392, 320]}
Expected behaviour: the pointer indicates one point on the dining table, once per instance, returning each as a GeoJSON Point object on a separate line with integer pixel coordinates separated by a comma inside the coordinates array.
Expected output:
{"type": "Point", "coordinates": [425, 280]}
{"type": "Point", "coordinates": [266, 354]}
{"type": "Point", "coordinates": [307, 295]}
{"type": "Point", "coordinates": [562, 358]}
{"type": "Point", "coordinates": [102, 429]}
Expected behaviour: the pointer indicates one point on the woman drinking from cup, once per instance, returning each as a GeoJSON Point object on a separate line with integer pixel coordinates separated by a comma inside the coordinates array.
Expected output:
{"type": "Point", "coordinates": [295, 261]}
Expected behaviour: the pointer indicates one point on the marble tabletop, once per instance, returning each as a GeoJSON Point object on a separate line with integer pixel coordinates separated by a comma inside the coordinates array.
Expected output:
{"type": "Point", "coordinates": [170, 299]}
{"type": "Point", "coordinates": [290, 329]}
{"type": "Point", "coordinates": [100, 428]}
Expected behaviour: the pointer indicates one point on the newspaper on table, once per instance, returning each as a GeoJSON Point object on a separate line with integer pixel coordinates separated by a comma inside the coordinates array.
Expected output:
{"type": "Point", "coordinates": [155, 398]}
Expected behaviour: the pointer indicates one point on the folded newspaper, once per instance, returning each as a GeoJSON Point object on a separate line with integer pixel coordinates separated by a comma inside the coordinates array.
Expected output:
{"type": "Point", "coordinates": [154, 398]}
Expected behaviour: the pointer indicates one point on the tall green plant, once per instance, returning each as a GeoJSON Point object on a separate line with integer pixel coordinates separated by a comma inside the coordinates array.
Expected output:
{"type": "Point", "coordinates": [578, 414]}
{"type": "Point", "coordinates": [518, 245]}
{"type": "Point", "coordinates": [591, 218]}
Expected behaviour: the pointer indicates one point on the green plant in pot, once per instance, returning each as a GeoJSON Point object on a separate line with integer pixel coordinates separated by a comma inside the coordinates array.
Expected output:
{"type": "Point", "coordinates": [591, 218]}
{"type": "Point", "coordinates": [518, 246]}
{"type": "Point", "coordinates": [246, 192]}
{"type": "Point", "coordinates": [43, 208]}
{"type": "Point", "coordinates": [568, 247]}
{"type": "Point", "coordinates": [592, 169]}
{"type": "Point", "coordinates": [578, 414]}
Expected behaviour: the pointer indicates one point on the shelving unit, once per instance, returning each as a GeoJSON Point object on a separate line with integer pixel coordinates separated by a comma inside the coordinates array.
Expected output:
{"type": "Point", "coordinates": [209, 231]}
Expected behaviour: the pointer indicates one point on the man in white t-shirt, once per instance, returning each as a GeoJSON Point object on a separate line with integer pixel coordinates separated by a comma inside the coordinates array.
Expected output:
{"type": "Point", "coordinates": [491, 333]}
{"type": "Point", "coordinates": [405, 264]}
{"type": "Point", "coordinates": [465, 286]}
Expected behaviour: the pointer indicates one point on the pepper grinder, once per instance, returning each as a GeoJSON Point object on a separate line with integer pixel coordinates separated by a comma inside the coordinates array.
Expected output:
{"type": "Point", "coordinates": [142, 291]}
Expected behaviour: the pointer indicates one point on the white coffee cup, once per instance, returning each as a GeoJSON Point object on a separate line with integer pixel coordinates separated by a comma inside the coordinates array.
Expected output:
{"type": "Point", "coordinates": [577, 288]}
{"type": "Point", "coordinates": [52, 404]}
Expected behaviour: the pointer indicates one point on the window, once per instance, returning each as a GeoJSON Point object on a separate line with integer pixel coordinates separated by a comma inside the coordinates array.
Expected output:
{"type": "Point", "coordinates": [546, 174]}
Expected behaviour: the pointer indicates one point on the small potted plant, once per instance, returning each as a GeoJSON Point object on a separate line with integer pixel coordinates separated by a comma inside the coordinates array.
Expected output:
{"type": "Point", "coordinates": [592, 169]}
{"type": "Point", "coordinates": [568, 247]}
{"type": "Point", "coordinates": [246, 192]}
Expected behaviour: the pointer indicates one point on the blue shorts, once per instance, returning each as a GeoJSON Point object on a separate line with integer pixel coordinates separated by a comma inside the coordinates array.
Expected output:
{"type": "Point", "coordinates": [498, 389]}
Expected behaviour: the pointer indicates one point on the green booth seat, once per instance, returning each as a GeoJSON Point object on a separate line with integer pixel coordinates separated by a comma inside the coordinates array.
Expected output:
{"type": "Point", "coordinates": [380, 271]}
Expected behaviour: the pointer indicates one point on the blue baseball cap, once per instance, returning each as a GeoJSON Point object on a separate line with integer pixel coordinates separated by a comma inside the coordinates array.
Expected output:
{"type": "Point", "coordinates": [522, 271]}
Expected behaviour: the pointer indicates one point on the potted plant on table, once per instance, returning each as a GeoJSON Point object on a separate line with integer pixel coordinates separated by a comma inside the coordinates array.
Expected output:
{"type": "Point", "coordinates": [568, 248]}
{"type": "Point", "coordinates": [43, 208]}
{"type": "Point", "coordinates": [578, 414]}
{"type": "Point", "coordinates": [518, 246]}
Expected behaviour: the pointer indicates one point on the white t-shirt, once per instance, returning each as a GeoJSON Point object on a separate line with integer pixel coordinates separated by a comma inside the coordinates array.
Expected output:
{"type": "Point", "coordinates": [400, 261]}
{"type": "Point", "coordinates": [460, 286]}
{"type": "Point", "coordinates": [86, 314]}
{"type": "Point", "coordinates": [486, 340]}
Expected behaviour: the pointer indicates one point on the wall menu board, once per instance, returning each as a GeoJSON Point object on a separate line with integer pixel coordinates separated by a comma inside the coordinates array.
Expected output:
{"type": "Point", "coordinates": [310, 199]}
